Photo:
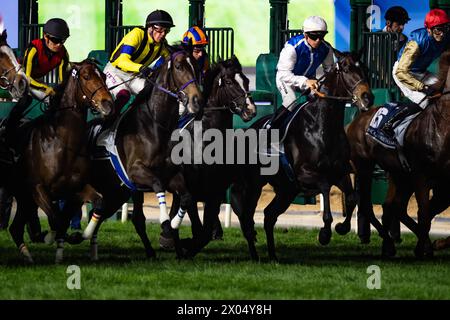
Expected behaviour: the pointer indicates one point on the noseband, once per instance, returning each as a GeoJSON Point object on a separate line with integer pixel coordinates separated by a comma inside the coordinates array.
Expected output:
{"type": "Point", "coordinates": [179, 94]}
{"type": "Point", "coordinates": [3, 77]}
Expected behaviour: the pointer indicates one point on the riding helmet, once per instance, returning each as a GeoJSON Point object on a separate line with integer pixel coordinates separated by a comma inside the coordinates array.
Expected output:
{"type": "Point", "coordinates": [57, 28]}
{"type": "Point", "coordinates": [314, 23]}
{"type": "Point", "coordinates": [436, 17]}
{"type": "Point", "coordinates": [160, 18]}
{"type": "Point", "coordinates": [196, 36]}
{"type": "Point", "coordinates": [397, 14]}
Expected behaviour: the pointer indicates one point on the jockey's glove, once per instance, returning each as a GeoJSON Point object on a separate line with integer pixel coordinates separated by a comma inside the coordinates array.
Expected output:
{"type": "Point", "coordinates": [430, 90]}
{"type": "Point", "coordinates": [49, 91]}
{"type": "Point", "coordinates": [145, 72]}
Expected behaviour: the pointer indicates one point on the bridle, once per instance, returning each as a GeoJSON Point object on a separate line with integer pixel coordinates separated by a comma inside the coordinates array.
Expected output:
{"type": "Point", "coordinates": [178, 94]}
{"type": "Point", "coordinates": [232, 105]}
{"type": "Point", "coordinates": [4, 78]}
{"type": "Point", "coordinates": [351, 97]}
{"type": "Point", "coordinates": [93, 105]}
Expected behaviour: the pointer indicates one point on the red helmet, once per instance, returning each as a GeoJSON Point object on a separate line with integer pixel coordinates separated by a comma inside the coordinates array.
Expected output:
{"type": "Point", "coordinates": [436, 17]}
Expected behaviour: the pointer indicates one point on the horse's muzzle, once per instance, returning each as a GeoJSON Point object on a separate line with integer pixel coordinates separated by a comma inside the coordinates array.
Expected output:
{"type": "Point", "coordinates": [106, 107]}
{"type": "Point", "coordinates": [367, 99]}
{"type": "Point", "coordinates": [195, 104]}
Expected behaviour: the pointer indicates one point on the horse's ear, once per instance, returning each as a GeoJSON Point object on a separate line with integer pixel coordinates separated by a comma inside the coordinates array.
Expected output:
{"type": "Point", "coordinates": [360, 53]}
{"type": "Point", "coordinates": [3, 36]}
{"type": "Point", "coordinates": [337, 53]}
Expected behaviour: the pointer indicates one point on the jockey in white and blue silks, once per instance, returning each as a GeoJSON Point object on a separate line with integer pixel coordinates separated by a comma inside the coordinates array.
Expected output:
{"type": "Point", "coordinates": [299, 60]}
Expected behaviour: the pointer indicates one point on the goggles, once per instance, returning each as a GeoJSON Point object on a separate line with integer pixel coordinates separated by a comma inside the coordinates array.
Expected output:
{"type": "Point", "coordinates": [56, 40]}
{"type": "Point", "coordinates": [316, 35]}
{"type": "Point", "coordinates": [444, 28]}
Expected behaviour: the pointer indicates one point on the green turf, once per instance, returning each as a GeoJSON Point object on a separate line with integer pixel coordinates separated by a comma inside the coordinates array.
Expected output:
{"type": "Point", "coordinates": [223, 270]}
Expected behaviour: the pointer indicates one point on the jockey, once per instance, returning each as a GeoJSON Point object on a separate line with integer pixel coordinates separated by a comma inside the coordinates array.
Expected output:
{"type": "Point", "coordinates": [140, 52]}
{"type": "Point", "coordinates": [196, 37]}
{"type": "Point", "coordinates": [41, 57]}
{"type": "Point", "coordinates": [410, 71]}
{"type": "Point", "coordinates": [396, 17]}
{"type": "Point", "coordinates": [297, 65]}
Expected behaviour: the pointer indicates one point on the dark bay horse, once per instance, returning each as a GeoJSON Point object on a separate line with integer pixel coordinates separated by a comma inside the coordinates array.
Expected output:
{"type": "Point", "coordinates": [12, 77]}
{"type": "Point", "coordinates": [427, 150]}
{"type": "Point", "coordinates": [226, 91]}
{"type": "Point", "coordinates": [319, 152]}
{"type": "Point", "coordinates": [54, 163]}
{"type": "Point", "coordinates": [143, 145]}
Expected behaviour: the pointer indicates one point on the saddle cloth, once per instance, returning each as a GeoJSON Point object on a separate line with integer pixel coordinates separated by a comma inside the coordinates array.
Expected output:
{"type": "Point", "coordinates": [380, 117]}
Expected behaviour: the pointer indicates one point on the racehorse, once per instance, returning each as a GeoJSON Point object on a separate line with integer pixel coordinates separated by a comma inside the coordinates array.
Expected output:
{"type": "Point", "coordinates": [226, 91]}
{"type": "Point", "coordinates": [142, 140]}
{"type": "Point", "coordinates": [12, 77]}
{"type": "Point", "coordinates": [426, 148]}
{"type": "Point", "coordinates": [54, 164]}
{"type": "Point", "coordinates": [319, 152]}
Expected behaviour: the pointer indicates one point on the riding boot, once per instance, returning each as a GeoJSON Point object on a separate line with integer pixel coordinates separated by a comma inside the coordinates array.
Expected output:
{"type": "Point", "coordinates": [274, 123]}
{"type": "Point", "coordinates": [277, 118]}
{"type": "Point", "coordinates": [407, 110]}
{"type": "Point", "coordinates": [12, 122]}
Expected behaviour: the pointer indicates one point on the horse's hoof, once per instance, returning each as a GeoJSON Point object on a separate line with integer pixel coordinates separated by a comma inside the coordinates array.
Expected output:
{"type": "Point", "coordinates": [342, 228]}
{"type": "Point", "coordinates": [364, 239]}
{"type": "Point", "coordinates": [324, 236]}
{"type": "Point", "coordinates": [75, 238]}
{"type": "Point", "coordinates": [166, 243]}
{"type": "Point", "coordinates": [388, 249]}
{"type": "Point", "coordinates": [59, 256]}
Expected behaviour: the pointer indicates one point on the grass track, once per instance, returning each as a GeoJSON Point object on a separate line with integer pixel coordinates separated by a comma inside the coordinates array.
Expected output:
{"type": "Point", "coordinates": [223, 270]}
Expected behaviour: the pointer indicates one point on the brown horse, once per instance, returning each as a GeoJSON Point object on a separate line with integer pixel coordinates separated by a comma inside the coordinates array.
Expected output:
{"type": "Point", "coordinates": [55, 163]}
{"type": "Point", "coordinates": [12, 77]}
{"type": "Point", "coordinates": [319, 150]}
{"type": "Point", "coordinates": [427, 150]}
{"type": "Point", "coordinates": [143, 145]}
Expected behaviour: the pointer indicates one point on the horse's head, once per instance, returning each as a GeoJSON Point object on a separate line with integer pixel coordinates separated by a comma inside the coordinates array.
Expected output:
{"type": "Point", "coordinates": [181, 78]}
{"type": "Point", "coordinates": [230, 88]}
{"type": "Point", "coordinates": [352, 79]}
{"type": "Point", "coordinates": [91, 89]}
{"type": "Point", "coordinates": [12, 78]}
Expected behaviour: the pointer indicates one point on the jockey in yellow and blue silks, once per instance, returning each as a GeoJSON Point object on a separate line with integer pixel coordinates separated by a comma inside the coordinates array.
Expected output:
{"type": "Point", "coordinates": [196, 37]}
{"type": "Point", "coordinates": [297, 65]}
{"type": "Point", "coordinates": [140, 52]}
{"type": "Point", "coordinates": [410, 71]}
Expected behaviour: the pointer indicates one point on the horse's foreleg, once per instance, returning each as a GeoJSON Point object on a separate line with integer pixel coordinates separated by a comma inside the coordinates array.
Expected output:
{"type": "Point", "coordinates": [325, 232]}
{"type": "Point", "coordinates": [363, 184]}
{"type": "Point", "coordinates": [16, 230]}
{"type": "Point", "coordinates": [138, 219]}
{"type": "Point", "coordinates": [43, 200]}
{"type": "Point", "coordinates": [178, 184]}
{"type": "Point", "coordinates": [244, 199]}
{"type": "Point", "coordinates": [351, 200]}
{"type": "Point", "coordinates": [279, 204]}
{"type": "Point", "coordinates": [423, 246]}
{"type": "Point", "coordinates": [90, 194]}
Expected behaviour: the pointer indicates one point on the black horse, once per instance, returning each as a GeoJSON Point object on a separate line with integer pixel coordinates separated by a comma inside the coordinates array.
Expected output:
{"type": "Point", "coordinates": [54, 163]}
{"type": "Point", "coordinates": [318, 151]}
{"type": "Point", "coordinates": [227, 93]}
{"type": "Point", "coordinates": [142, 140]}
